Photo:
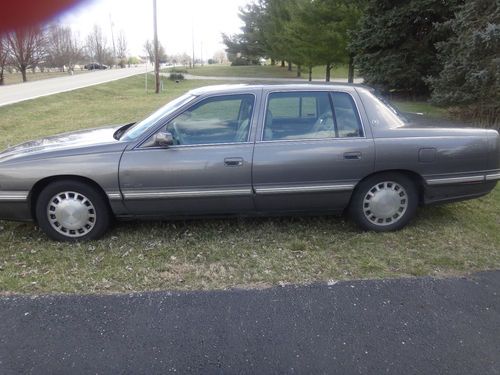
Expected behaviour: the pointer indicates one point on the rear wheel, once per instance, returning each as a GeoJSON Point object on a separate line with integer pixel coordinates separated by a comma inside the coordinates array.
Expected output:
{"type": "Point", "coordinates": [72, 211]}
{"type": "Point", "coordinates": [384, 202]}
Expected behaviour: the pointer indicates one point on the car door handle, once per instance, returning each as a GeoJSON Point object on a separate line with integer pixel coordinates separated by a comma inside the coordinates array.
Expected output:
{"type": "Point", "coordinates": [352, 155]}
{"type": "Point", "coordinates": [233, 162]}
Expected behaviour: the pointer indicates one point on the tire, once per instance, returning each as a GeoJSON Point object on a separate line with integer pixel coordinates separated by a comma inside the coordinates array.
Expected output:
{"type": "Point", "coordinates": [385, 202]}
{"type": "Point", "coordinates": [71, 211]}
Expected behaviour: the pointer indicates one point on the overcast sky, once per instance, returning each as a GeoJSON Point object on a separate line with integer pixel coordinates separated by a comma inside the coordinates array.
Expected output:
{"type": "Point", "coordinates": [176, 20]}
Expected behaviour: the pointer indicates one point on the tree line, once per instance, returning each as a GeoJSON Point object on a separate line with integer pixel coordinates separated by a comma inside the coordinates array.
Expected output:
{"type": "Point", "coordinates": [445, 50]}
{"type": "Point", "coordinates": [58, 46]}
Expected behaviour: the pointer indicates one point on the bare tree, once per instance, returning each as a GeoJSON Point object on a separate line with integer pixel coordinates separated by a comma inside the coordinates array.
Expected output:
{"type": "Point", "coordinates": [122, 49]}
{"type": "Point", "coordinates": [220, 57]}
{"type": "Point", "coordinates": [27, 47]}
{"type": "Point", "coordinates": [4, 55]}
{"type": "Point", "coordinates": [97, 45]}
{"type": "Point", "coordinates": [150, 50]}
{"type": "Point", "coordinates": [63, 47]}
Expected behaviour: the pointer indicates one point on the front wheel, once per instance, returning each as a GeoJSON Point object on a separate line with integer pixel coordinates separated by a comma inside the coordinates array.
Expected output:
{"type": "Point", "coordinates": [72, 211]}
{"type": "Point", "coordinates": [384, 202]}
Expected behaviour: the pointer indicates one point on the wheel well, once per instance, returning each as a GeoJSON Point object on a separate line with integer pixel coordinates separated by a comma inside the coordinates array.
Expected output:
{"type": "Point", "coordinates": [417, 179]}
{"type": "Point", "coordinates": [42, 184]}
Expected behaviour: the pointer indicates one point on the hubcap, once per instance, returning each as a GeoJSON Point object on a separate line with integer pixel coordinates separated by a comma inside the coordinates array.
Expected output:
{"type": "Point", "coordinates": [385, 203]}
{"type": "Point", "coordinates": [71, 214]}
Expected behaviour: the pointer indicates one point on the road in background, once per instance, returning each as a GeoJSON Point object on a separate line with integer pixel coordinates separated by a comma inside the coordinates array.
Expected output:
{"type": "Point", "coordinates": [407, 326]}
{"type": "Point", "coordinates": [30, 90]}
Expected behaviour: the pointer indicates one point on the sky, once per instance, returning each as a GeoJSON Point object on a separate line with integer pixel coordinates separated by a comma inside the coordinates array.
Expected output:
{"type": "Point", "coordinates": [176, 22]}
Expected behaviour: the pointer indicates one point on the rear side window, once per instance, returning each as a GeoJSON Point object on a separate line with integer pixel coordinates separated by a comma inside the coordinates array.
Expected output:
{"type": "Point", "coordinates": [346, 116]}
{"type": "Point", "coordinates": [299, 115]}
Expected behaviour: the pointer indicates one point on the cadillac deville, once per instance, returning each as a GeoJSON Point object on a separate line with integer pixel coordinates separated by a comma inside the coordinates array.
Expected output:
{"type": "Point", "coordinates": [248, 150]}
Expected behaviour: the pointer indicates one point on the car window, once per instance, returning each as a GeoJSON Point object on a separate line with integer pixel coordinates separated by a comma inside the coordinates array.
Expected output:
{"type": "Point", "coordinates": [142, 127]}
{"type": "Point", "coordinates": [346, 116]}
{"type": "Point", "coordinates": [224, 119]}
{"type": "Point", "coordinates": [299, 115]}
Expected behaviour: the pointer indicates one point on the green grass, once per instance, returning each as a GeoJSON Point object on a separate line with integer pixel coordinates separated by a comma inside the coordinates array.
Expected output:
{"type": "Point", "coordinates": [211, 254]}
{"type": "Point", "coordinates": [421, 107]}
{"type": "Point", "coordinates": [266, 71]}
{"type": "Point", "coordinates": [13, 78]}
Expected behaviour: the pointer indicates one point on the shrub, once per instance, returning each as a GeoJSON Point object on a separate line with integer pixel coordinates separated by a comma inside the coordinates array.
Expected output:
{"type": "Point", "coordinates": [176, 77]}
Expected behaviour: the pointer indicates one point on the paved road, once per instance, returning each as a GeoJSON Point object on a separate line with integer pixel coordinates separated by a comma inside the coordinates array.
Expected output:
{"type": "Point", "coordinates": [30, 90]}
{"type": "Point", "coordinates": [416, 326]}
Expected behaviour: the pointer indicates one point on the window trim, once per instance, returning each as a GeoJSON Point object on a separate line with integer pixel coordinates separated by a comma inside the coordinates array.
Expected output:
{"type": "Point", "coordinates": [329, 92]}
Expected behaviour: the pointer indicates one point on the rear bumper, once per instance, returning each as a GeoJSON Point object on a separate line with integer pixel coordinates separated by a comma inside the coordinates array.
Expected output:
{"type": "Point", "coordinates": [457, 192]}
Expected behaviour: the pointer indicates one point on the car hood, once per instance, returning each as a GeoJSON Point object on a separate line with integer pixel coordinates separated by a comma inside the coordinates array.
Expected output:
{"type": "Point", "coordinates": [65, 141]}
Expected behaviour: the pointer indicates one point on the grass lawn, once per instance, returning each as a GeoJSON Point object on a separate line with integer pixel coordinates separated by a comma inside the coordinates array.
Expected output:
{"type": "Point", "coordinates": [445, 240]}
{"type": "Point", "coordinates": [13, 78]}
{"type": "Point", "coordinates": [266, 71]}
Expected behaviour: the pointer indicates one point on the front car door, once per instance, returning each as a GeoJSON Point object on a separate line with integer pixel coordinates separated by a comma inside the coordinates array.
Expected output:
{"type": "Point", "coordinates": [206, 171]}
{"type": "Point", "coordinates": [313, 149]}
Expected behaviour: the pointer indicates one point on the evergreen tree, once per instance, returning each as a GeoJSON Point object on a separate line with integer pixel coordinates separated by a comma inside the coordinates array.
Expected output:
{"type": "Point", "coordinates": [395, 45]}
{"type": "Point", "coordinates": [470, 78]}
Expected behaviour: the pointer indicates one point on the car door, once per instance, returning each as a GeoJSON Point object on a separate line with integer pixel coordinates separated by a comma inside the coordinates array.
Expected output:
{"type": "Point", "coordinates": [313, 150]}
{"type": "Point", "coordinates": [206, 171]}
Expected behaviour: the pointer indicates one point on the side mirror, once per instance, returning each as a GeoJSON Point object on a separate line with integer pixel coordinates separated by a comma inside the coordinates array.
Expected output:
{"type": "Point", "coordinates": [164, 139]}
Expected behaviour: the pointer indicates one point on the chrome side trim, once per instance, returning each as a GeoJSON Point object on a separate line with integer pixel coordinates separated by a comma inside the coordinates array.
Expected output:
{"type": "Point", "coordinates": [455, 180]}
{"type": "Point", "coordinates": [305, 189]}
{"type": "Point", "coordinates": [155, 194]}
{"type": "Point", "coordinates": [114, 196]}
{"type": "Point", "coordinates": [14, 196]}
{"type": "Point", "coordinates": [493, 177]}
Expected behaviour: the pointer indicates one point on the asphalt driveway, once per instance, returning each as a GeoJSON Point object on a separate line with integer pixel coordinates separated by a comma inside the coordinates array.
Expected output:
{"type": "Point", "coordinates": [413, 326]}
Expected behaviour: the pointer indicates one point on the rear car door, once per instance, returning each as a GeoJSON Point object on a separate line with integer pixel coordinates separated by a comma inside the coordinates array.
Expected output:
{"type": "Point", "coordinates": [206, 171]}
{"type": "Point", "coordinates": [313, 149]}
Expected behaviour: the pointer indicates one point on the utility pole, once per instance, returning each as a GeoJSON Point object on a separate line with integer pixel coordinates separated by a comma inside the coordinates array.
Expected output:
{"type": "Point", "coordinates": [157, 58]}
{"type": "Point", "coordinates": [112, 38]}
{"type": "Point", "coordinates": [192, 35]}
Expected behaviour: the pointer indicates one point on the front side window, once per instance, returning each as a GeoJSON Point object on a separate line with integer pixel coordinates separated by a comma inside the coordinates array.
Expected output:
{"type": "Point", "coordinates": [223, 119]}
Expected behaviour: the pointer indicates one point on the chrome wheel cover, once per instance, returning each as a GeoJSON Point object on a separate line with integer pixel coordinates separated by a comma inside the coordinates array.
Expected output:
{"type": "Point", "coordinates": [71, 214]}
{"type": "Point", "coordinates": [385, 203]}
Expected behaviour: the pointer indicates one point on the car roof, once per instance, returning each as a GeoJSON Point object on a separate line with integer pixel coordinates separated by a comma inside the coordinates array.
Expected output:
{"type": "Point", "coordinates": [274, 86]}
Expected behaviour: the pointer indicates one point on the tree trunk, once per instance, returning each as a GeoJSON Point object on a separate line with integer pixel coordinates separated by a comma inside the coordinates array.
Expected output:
{"type": "Point", "coordinates": [310, 74]}
{"type": "Point", "coordinates": [23, 73]}
{"type": "Point", "coordinates": [289, 66]}
{"type": "Point", "coordinates": [273, 62]}
{"type": "Point", "coordinates": [299, 71]}
{"type": "Point", "coordinates": [328, 72]}
{"type": "Point", "coordinates": [282, 63]}
{"type": "Point", "coordinates": [350, 77]}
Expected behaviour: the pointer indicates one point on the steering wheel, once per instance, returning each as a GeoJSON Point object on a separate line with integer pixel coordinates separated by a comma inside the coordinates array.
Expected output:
{"type": "Point", "coordinates": [172, 128]}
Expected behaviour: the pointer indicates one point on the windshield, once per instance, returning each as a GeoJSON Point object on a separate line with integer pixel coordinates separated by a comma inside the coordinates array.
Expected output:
{"type": "Point", "coordinates": [135, 131]}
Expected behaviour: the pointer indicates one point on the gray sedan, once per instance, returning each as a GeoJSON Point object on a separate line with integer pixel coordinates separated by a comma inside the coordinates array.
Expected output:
{"type": "Point", "coordinates": [248, 150]}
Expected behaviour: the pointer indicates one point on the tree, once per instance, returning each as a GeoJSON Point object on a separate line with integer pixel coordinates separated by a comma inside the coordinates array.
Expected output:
{"type": "Point", "coordinates": [246, 48]}
{"type": "Point", "coordinates": [121, 49]}
{"type": "Point", "coordinates": [63, 48]}
{"type": "Point", "coordinates": [395, 44]}
{"type": "Point", "coordinates": [97, 45]}
{"type": "Point", "coordinates": [219, 57]}
{"type": "Point", "coordinates": [4, 55]}
{"type": "Point", "coordinates": [150, 50]}
{"type": "Point", "coordinates": [27, 48]}
{"type": "Point", "coordinates": [470, 78]}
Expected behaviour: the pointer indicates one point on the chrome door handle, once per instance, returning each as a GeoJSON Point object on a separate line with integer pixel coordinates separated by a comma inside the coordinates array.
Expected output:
{"type": "Point", "coordinates": [233, 162]}
{"type": "Point", "coordinates": [352, 155]}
